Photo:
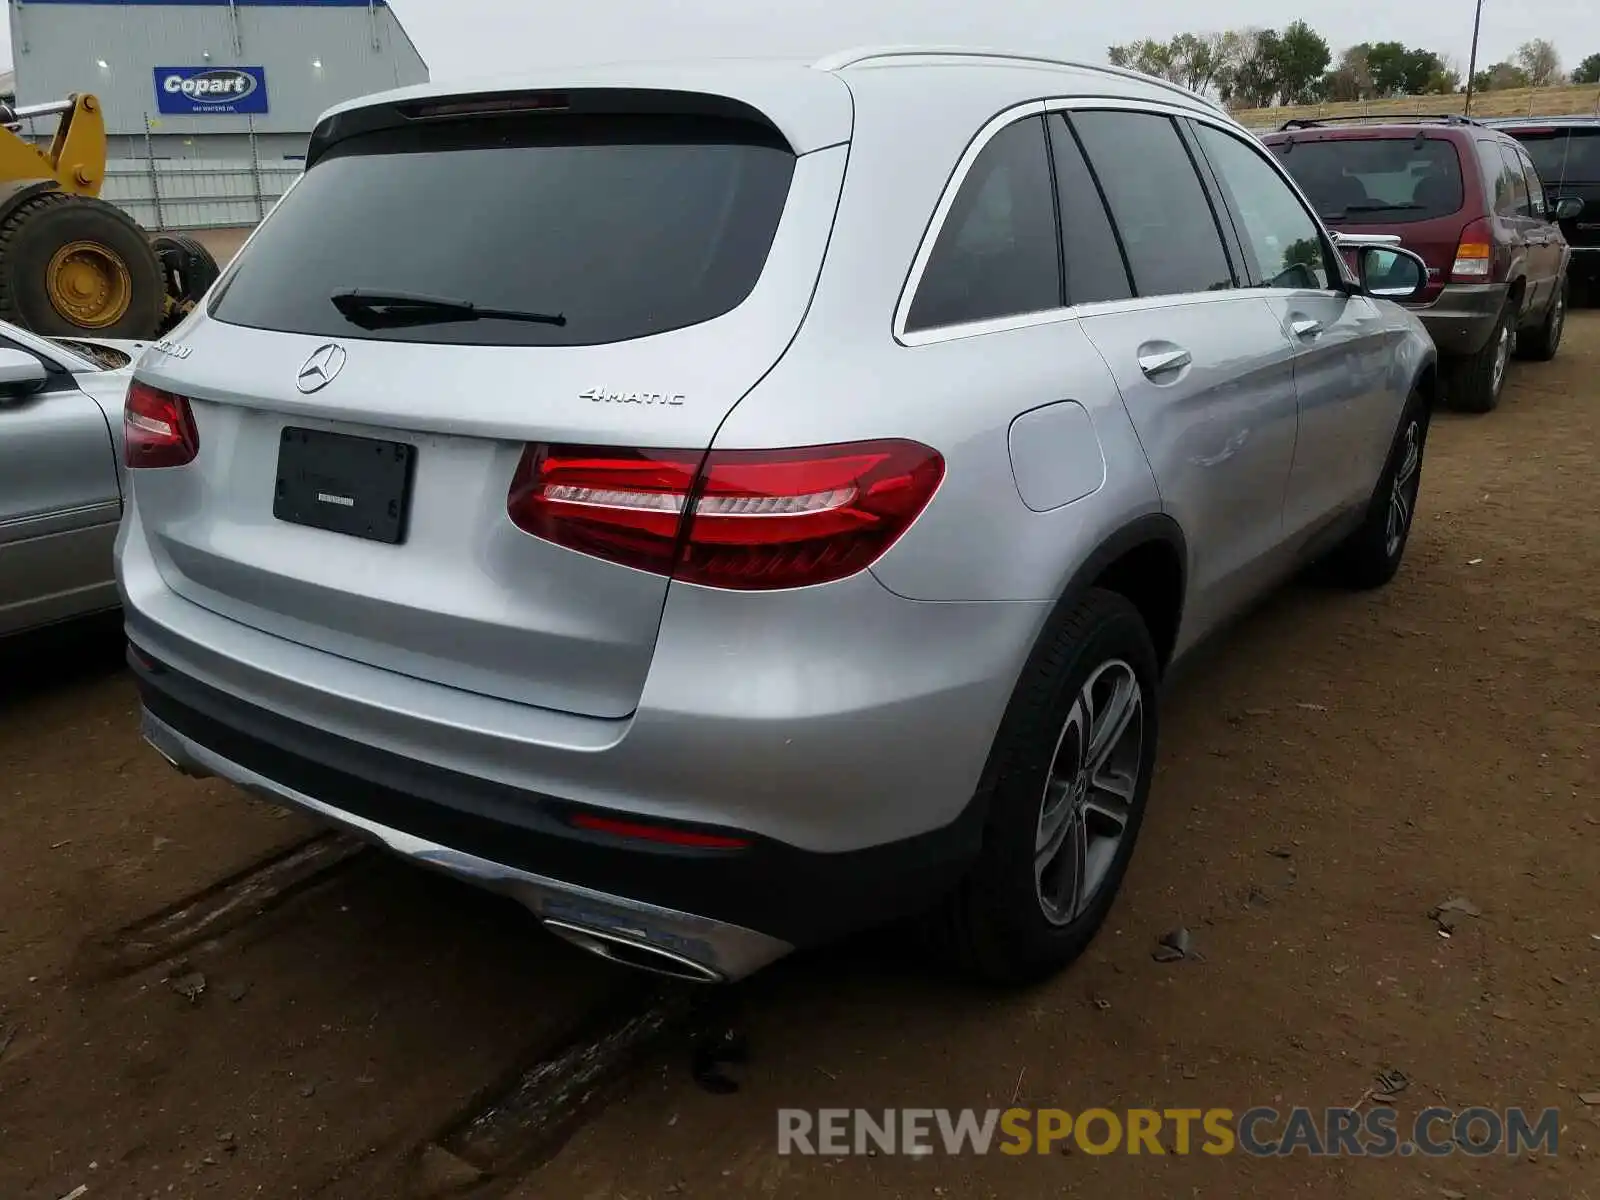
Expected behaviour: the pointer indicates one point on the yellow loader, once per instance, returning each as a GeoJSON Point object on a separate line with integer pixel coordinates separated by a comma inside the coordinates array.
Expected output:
{"type": "Point", "coordinates": [70, 263]}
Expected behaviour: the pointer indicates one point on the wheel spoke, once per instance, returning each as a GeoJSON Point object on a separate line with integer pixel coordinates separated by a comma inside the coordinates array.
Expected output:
{"type": "Point", "coordinates": [1108, 724]}
{"type": "Point", "coordinates": [1079, 843]}
{"type": "Point", "coordinates": [1402, 512]}
{"type": "Point", "coordinates": [1053, 819]}
{"type": "Point", "coordinates": [1111, 796]}
{"type": "Point", "coordinates": [1408, 465]}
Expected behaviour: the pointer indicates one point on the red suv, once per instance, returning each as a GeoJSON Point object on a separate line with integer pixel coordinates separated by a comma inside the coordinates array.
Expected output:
{"type": "Point", "coordinates": [1468, 199]}
{"type": "Point", "coordinates": [1567, 152]}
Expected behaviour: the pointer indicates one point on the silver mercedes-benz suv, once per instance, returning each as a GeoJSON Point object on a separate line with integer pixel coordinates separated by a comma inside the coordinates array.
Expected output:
{"type": "Point", "coordinates": [727, 505]}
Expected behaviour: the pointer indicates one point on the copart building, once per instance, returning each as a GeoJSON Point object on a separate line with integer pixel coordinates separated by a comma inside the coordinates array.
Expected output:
{"type": "Point", "coordinates": [208, 103]}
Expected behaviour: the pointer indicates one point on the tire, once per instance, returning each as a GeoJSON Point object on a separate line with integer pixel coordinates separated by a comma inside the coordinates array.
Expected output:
{"type": "Point", "coordinates": [189, 267]}
{"type": "Point", "coordinates": [998, 924]}
{"type": "Point", "coordinates": [1476, 383]}
{"type": "Point", "coordinates": [1541, 345]}
{"type": "Point", "coordinates": [35, 235]}
{"type": "Point", "coordinates": [1371, 555]}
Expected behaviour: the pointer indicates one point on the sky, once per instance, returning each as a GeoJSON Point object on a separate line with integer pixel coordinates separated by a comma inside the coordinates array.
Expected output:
{"type": "Point", "coordinates": [462, 38]}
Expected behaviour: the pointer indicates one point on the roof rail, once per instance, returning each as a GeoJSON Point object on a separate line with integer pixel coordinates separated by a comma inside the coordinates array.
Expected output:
{"type": "Point", "coordinates": [1381, 118]}
{"type": "Point", "coordinates": [841, 59]}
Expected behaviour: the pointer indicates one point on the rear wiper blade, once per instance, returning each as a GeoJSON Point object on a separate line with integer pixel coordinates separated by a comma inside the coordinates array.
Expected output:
{"type": "Point", "coordinates": [372, 309]}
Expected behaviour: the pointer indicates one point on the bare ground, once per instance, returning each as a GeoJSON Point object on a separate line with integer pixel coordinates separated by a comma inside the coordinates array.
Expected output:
{"type": "Point", "coordinates": [1331, 769]}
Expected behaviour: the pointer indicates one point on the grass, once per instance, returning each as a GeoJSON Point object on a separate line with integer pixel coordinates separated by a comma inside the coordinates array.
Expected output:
{"type": "Point", "coordinates": [1518, 102]}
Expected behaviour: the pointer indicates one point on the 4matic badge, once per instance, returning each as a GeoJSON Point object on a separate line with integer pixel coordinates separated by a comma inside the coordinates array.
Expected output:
{"type": "Point", "coordinates": [608, 396]}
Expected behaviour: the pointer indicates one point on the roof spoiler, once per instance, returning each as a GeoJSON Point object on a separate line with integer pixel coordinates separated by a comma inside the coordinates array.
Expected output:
{"type": "Point", "coordinates": [532, 103]}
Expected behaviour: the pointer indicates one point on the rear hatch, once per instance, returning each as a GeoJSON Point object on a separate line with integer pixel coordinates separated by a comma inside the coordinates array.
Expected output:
{"type": "Point", "coordinates": [1568, 160]}
{"type": "Point", "coordinates": [635, 262]}
{"type": "Point", "coordinates": [1408, 184]}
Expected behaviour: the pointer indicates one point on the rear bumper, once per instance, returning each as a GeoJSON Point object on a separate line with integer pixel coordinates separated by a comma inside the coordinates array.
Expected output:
{"type": "Point", "coordinates": [1463, 318]}
{"type": "Point", "coordinates": [823, 732]}
{"type": "Point", "coordinates": [663, 939]}
{"type": "Point", "coordinates": [728, 912]}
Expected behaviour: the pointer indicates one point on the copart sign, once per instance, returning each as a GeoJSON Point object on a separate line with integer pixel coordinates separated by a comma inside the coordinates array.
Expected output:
{"type": "Point", "coordinates": [199, 91]}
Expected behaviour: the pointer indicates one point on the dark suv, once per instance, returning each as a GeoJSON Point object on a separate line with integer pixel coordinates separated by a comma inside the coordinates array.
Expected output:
{"type": "Point", "coordinates": [1468, 199]}
{"type": "Point", "coordinates": [1566, 150]}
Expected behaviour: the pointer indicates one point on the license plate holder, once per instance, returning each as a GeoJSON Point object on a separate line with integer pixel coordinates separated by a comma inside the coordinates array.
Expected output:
{"type": "Point", "coordinates": [345, 484]}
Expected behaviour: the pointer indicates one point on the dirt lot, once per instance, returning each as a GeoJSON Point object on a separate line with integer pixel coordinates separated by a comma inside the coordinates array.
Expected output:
{"type": "Point", "coordinates": [199, 996]}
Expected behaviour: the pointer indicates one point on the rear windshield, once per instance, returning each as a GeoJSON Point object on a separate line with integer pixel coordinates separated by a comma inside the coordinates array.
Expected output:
{"type": "Point", "coordinates": [1565, 155]}
{"type": "Point", "coordinates": [1376, 181]}
{"type": "Point", "coordinates": [572, 231]}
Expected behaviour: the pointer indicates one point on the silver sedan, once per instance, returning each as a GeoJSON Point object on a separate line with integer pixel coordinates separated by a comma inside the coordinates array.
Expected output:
{"type": "Point", "coordinates": [61, 485]}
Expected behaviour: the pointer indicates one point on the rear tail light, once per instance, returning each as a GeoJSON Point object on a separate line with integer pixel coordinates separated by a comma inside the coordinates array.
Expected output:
{"type": "Point", "coordinates": [1474, 256]}
{"type": "Point", "coordinates": [745, 519]}
{"type": "Point", "coordinates": [158, 428]}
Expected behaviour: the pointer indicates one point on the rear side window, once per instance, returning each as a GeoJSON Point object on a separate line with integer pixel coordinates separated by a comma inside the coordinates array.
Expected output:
{"type": "Point", "coordinates": [996, 254]}
{"type": "Point", "coordinates": [1095, 268]}
{"type": "Point", "coordinates": [620, 226]}
{"type": "Point", "coordinates": [1564, 155]}
{"type": "Point", "coordinates": [1376, 181]}
{"type": "Point", "coordinates": [1536, 200]}
{"type": "Point", "coordinates": [1161, 209]}
{"type": "Point", "coordinates": [1511, 197]}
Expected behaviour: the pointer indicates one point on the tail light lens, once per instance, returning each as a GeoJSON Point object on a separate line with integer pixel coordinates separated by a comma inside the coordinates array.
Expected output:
{"type": "Point", "coordinates": [1474, 255]}
{"type": "Point", "coordinates": [750, 520]}
{"type": "Point", "coordinates": [158, 428]}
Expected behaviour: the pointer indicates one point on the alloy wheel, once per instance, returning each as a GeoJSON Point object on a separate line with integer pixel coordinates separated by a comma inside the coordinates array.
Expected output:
{"type": "Point", "coordinates": [1502, 358]}
{"type": "Point", "coordinates": [1403, 493]}
{"type": "Point", "coordinates": [1089, 793]}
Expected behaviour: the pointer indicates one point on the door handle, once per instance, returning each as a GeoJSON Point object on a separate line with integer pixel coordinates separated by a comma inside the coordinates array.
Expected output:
{"type": "Point", "coordinates": [1306, 327]}
{"type": "Point", "coordinates": [1161, 362]}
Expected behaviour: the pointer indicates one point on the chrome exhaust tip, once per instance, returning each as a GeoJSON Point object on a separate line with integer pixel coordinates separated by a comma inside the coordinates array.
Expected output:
{"type": "Point", "coordinates": [637, 954]}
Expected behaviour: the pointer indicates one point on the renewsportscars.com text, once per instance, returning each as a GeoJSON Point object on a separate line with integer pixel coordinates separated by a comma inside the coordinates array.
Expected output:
{"type": "Point", "coordinates": [1260, 1132]}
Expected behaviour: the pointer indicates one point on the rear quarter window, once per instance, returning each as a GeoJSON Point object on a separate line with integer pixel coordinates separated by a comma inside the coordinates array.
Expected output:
{"type": "Point", "coordinates": [1565, 155]}
{"type": "Point", "coordinates": [622, 226]}
{"type": "Point", "coordinates": [1378, 180]}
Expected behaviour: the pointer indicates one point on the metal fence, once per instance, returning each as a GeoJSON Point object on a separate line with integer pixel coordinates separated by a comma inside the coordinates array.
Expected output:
{"type": "Point", "coordinates": [197, 193]}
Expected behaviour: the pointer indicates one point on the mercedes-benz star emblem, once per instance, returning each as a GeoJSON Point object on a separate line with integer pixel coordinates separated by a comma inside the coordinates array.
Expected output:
{"type": "Point", "coordinates": [321, 368]}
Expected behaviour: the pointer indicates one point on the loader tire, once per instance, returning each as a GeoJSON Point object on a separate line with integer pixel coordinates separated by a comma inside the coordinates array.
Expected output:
{"type": "Point", "coordinates": [75, 266]}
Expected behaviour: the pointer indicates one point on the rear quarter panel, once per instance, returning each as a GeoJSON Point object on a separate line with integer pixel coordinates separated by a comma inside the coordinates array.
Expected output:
{"type": "Point", "coordinates": [846, 377]}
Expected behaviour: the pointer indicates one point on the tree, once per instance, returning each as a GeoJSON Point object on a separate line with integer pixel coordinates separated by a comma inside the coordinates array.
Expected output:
{"type": "Point", "coordinates": [1302, 56]}
{"type": "Point", "coordinates": [1190, 59]}
{"type": "Point", "coordinates": [1195, 59]}
{"type": "Point", "coordinates": [1445, 80]}
{"type": "Point", "coordinates": [1588, 70]}
{"type": "Point", "coordinates": [1254, 80]}
{"type": "Point", "coordinates": [1149, 56]}
{"type": "Point", "coordinates": [1352, 78]}
{"type": "Point", "coordinates": [1387, 61]}
{"type": "Point", "coordinates": [1399, 71]}
{"type": "Point", "coordinates": [1499, 78]}
{"type": "Point", "coordinates": [1541, 62]}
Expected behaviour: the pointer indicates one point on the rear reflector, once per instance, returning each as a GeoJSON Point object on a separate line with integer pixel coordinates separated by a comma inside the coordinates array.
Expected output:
{"type": "Point", "coordinates": [158, 428]}
{"type": "Point", "coordinates": [1474, 256]}
{"type": "Point", "coordinates": [665, 835]}
{"type": "Point", "coordinates": [743, 519]}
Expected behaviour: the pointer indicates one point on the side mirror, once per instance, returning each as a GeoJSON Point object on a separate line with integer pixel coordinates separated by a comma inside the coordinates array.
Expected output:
{"type": "Point", "coordinates": [1391, 273]}
{"type": "Point", "coordinates": [1566, 209]}
{"type": "Point", "coordinates": [21, 374]}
